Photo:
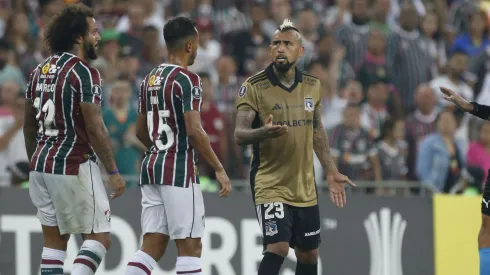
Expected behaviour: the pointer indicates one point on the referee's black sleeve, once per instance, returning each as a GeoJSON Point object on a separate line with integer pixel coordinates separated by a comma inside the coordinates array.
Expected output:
{"type": "Point", "coordinates": [481, 111]}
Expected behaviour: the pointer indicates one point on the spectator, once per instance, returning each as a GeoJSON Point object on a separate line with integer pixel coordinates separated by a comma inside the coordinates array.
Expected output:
{"type": "Point", "coordinates": [437, 49]}
{"type": "Point", "coordinates": [245, 44]}
{"type": "Point", "coordinates": [354, 36]}
{"type": "Point", "coordinates": [120, 119]}
{"type": "Point", "coordinates": [479, 151]}
{"type": "Point", "coordinates": [31, 59]}
{"type": "Point", "coordinates": [373, 64]}
{"type": "Point", "coordinates": [214, 125]}
{"type": "Point", "coordinates": [475, 40]}
{"type": "Point", "coordinates": [209, 49]}
{"type": "Point", "coordinates": [142, 13]}
{"type": "Point", "coordinates": [279, 10]}
{"type": "Point", "coordinates": [440, 156]}
{"type": "Point", "coordinates": [308, 25]}
{"type": "Point", "coordinates": [17, 33]}
{"type": "Point", "coordinates": [12, 146]}
{"type": "Point", "coordinates": [380, 17]}
{"type": "Point", "coordinates": [352, 92]}
{"type": "Point", "coordinates": [9, 91]}
{"type": "Point", "coordinates": [420, 124]}
{"type": "Point", "coordinates": [19, 174]}
{"type": "Point", "coordinates": [392, 150]}
{"type": "Point", "coordinates": [408, 57]}
{"type": "Point", "coordinates": [152, 54]}
{"type": "Point", "coordinates": [333, 56]}
{"type": "Point", "coordinates": [108, 60]}
{"type": "Point", "coordinates": [337, 15]}
{"type": "Point", "coordinates": [8, 69]}
{"type": "Point", "coordinates": [353, 148]}
{"type": "Point", "coordinates": [374, 111]}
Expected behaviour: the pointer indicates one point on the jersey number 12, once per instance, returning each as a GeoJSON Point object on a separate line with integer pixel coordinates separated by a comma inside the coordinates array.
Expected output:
{"type": "Point", "coordinates": [47, 126]}
{"type": "Point", "coordinates": [162, 127]}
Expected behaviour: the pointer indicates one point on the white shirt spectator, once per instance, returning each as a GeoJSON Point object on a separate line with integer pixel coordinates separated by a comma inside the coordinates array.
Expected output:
{"type": "Point", "coordinates": [333, 112]}
{"type": "Point", "coordinates": [372, 120]}
{"type": "Point", "coordinates": [206, 59]}
{"type": "Point", "coordinates": [13, 153]}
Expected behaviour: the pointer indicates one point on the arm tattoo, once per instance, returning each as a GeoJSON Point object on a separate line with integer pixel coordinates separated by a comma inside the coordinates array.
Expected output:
{"type": "Point", "coordinates": [100, 140]}
{"type": "Point", "coordinates": [244, 134]}
{"type": "Point", "coordinates": [321, 144]}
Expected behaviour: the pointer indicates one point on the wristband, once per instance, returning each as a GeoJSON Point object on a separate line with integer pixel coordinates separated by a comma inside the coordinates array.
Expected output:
{"type": "Point", "coordinates": [113, 172]}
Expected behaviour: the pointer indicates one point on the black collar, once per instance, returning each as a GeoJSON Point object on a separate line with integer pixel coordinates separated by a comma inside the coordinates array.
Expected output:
{"type": "Point", "coordinates": [269, 71]}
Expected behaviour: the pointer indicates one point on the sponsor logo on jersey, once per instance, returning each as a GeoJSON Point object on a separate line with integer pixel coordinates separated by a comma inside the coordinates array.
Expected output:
{"type": "Point", "coordinates": [309, 234]}
{"type": "Point", "coordinates": [271, 228]}
{"type": "Point", "coordinates": [45, 68]}
{"type": "Point", "coordinates": [49, 69]}
{"type": "Point", "coordinates": [294, 123]}
{"type": "Point", "coordinates": [263, 85]}
{"type": "Point", "coordinates": [309, 105]}
{"type": "Point", "coordinates": [242, 91]}
{"type": "Point", "coordinates": [196, 92]}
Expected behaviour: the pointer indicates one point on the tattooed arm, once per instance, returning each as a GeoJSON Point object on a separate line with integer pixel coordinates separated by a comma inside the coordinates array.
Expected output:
{"type": "Point", "coordinates": [98, 134]}
{"type": "Point", "coordinates": [244, 134]}
{"type": "Point", "coordinates": [321, 144]}
{"type": "Point", "coordinates": [30, 128]}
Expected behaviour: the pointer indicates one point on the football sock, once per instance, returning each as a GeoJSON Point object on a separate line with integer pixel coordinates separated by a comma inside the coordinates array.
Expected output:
{"type": "Point", "coordinates": [306, 269]}
{"type": "Point", "coordinates": [141, 264]}
{"type": "Point", "coordinates": [188, 265]}
{"type": "Point", "coordinates": [52, 261]}
{"type": "Point", "coordinates": [271, 264]}
{"type": "Point", "coordinates": [89, 257]}
{"type": "Point", "coordinates": [485, 261]}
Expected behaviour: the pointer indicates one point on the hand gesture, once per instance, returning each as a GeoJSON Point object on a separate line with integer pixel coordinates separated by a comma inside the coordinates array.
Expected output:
{"type": "Point", "coordinates": [456, 99]}
{"type": "Point", "coordinates": [117, 184]}
{"type": "Point", "coordinates": [272, 130]}
{"type": "Point", "coordinates": [336, 187]}
{"type": "Point", "coordinates": [224, 181]}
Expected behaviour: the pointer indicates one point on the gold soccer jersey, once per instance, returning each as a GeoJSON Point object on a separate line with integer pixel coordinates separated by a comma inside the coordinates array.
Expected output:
{"type": "Point", "coordinates": [282, 167]}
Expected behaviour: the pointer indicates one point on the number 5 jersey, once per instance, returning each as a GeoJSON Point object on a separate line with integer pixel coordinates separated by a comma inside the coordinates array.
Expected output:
{"type": "Point", "coordinates": [166, 93]}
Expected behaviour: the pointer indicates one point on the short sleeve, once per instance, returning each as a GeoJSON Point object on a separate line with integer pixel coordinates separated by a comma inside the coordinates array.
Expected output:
{"type": "Point", "coordinates": [191, 86]}
{"type": "Point", "coordinates": [142, 98]}
{"type": "Point", "coordinates": [247, 98]}
{"type": "Point", "coordinates": [89, 84]}
{"type": "Point", "coordinates": [30, 91]}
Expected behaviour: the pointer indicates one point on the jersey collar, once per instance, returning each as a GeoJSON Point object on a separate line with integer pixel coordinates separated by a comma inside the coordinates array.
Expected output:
{"type": "Point", "coordinates": [269, 71]}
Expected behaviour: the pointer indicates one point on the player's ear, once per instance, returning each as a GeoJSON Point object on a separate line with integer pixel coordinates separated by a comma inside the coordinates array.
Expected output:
{"type": "Point", "coordinates": [79, 40]}
{"type": "Point", "coordinates": [301, 51]}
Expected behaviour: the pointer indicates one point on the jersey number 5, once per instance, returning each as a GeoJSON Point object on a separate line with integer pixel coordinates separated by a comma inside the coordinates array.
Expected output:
{"type": "Point", "coordinates": [162, 127]}
{"type": "Point", "coordinates": [48, 109]}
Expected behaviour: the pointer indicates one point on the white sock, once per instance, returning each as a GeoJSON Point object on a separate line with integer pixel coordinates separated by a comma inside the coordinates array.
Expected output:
{"type": "Point", "coordinates": [188, 265]}
{"type": "Point", "coordinates": [89, 257]}
{"type": "Point", "coordinates": [52, 261]}
{"type": "Point", "coordinates": [140, 264]}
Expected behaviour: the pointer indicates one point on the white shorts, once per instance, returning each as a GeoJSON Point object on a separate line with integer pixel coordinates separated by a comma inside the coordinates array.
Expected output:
{"type": "Point", "coordinates": [174, 211]}
{"type": "Point", "coordinates": [76, 204]}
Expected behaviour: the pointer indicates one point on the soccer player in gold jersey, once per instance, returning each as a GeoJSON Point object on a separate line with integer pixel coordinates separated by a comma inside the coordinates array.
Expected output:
{"type": "Point", "coordinates": [279, 113]}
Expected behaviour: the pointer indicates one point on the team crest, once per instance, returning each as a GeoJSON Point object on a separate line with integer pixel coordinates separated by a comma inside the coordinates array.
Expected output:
{"type": "Point", "coordinates": [271, 228]}
{"type": "Point", "coordinates": [45, 68]}
{"type": "Point", "coordinates": [309, 105]}
{"type": "Point", "coordinates": [96, 89]}
{"type": "Point", "coordinates": [196, 92]}
{"type": "Point", "coordinates": [242, 91]}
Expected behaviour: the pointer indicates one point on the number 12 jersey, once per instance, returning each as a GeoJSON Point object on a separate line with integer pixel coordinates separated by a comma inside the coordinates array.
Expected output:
{"type": "Point", "coordinates": [56, 88]}
{"type": "Point", "coordinates": [166, 93]}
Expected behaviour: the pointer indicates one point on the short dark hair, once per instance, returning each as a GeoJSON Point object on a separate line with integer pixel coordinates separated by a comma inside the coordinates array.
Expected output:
{"type": "Point", "coordinates": [177, 30]}
{"type": "Point", "coordinates": [64, 30]}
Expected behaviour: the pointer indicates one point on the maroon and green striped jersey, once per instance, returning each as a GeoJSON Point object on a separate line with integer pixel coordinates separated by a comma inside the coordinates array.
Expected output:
{"type": "Point", "coordinates": [166, 93]}
{"type": "Point", "coordinates": [57, 87]}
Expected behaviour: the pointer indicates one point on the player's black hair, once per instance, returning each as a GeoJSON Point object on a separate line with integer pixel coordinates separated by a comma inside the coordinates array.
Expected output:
{"type": "Point", "coordinates": [68, 26]}
{"type": "Point", "coordinates": [177, 30]}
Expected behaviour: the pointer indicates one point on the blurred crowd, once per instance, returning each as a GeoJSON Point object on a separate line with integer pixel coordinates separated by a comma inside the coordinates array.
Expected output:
{"type": "Point", "coordinates": [381, 63]}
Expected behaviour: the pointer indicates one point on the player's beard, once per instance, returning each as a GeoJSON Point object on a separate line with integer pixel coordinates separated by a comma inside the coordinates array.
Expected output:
{"type": "Point", "coordinates": [283, 67]}
{"type": "Point", "coordinates": [89, 50]}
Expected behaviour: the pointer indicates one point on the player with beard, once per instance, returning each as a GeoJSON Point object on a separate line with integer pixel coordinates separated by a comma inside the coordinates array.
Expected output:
{"type": "Point", "coordinates": [64, 134]}
{"type": "Point", "coordinates": [279, 114]}
{"type": "Point", "coordinates": [169, 124]}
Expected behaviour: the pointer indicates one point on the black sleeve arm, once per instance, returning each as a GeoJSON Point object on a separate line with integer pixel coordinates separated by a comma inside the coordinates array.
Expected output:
{"type": "Point", "coordinates": [481, 111]}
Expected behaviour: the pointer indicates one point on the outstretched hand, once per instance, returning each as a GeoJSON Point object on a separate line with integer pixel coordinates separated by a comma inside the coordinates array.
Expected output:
{"type": "Point", "coordinates": [336, 187]}
{"type": "Point", "coordinates": [456, 99]}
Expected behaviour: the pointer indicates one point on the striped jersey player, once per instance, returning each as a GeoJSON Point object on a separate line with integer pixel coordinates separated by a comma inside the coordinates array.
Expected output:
{"type": "Point", "coordinates": [169, 125]}
{"type": "Point", "coordinates": [64, 136]}
{"type": "Point", "coordinates": [166, 93]}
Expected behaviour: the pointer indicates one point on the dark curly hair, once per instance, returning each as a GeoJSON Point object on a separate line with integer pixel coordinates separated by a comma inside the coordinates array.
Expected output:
{"type": "Point", "coordinates": [63, 31]}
